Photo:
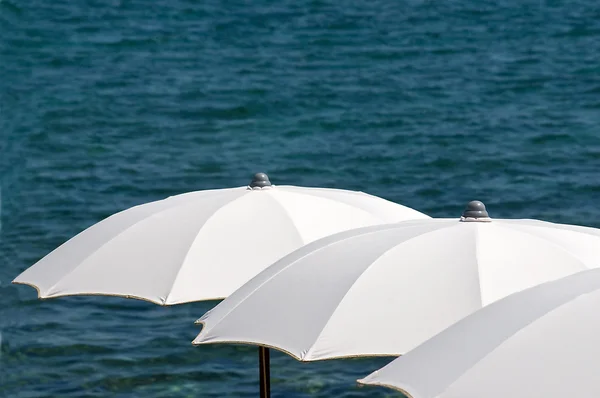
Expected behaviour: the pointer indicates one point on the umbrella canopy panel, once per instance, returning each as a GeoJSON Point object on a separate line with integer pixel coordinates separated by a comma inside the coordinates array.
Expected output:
{"type": "Point", "coordinates": [202, 245]}
{"type": "Point", "coordinates": [543, 342]}
{"type": "Point", "coordinates": [382, 290]}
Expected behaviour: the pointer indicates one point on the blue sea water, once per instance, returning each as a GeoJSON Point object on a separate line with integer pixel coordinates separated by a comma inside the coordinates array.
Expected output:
{"type": "Point", "coordinates": [109, 104]}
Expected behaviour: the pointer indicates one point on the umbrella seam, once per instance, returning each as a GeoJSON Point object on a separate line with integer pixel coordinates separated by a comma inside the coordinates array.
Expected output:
{"type": "Point", "coordinates": [349, 191]}
{"type": "Point", "coordinates": [366, 270]}
{"type": "Point", "coordinates": [477, 238]}
{"type": "Point", "coordinates": [334, 201]}
{"type": "Point", "coordinates": [360, 194]}
{"type": "Point", "coordinates": [192, 244]}
{"type": "Point", "coordinates": [289, 216]}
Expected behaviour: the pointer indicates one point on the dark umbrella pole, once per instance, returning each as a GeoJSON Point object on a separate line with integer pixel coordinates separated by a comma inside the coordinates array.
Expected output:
{"type": "Point", "coordinates": [264, 362]}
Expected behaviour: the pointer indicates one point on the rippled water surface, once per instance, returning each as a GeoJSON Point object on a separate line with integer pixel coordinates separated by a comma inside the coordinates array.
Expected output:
{"type": "Point", "coordinates": [108, 104]}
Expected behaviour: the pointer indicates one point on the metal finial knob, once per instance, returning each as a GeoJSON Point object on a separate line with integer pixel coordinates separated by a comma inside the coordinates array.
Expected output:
{"type": "Point", "coordinates": [260, 180]}
{"type": "Point", "coordinates": [475, 209]}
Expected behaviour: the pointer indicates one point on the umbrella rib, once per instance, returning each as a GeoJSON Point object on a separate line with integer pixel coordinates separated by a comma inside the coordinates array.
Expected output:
{"type": "Point", "coordinates": [289, 216]}
{"type": "Point", "coordinates": [477, 266]}
{"type": "Point", "coordinates": [358, 194]}
{"type": "Point", "coordinates": [190, 247]}
{"type": "Point", "coordinates": [353, 206]}
{"type": "Point", "coordinates": [361, 274]}
{"type": "Point", "coordinates": [308, 190]}
{"type": "Point", "coordinates": [325, 199]}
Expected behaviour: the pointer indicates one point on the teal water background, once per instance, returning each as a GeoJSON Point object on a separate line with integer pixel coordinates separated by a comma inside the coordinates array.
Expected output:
{"type": "Point", "coordinates": [109, 104]}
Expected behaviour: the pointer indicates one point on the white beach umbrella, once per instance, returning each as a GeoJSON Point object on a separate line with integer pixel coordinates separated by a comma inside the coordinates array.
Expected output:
{"type": "Point", "coordinates": [382, 290]}
{"type": "Point", "coordinates": [202, 245]}
{"type": "Point", "coordinates": [543, 342]}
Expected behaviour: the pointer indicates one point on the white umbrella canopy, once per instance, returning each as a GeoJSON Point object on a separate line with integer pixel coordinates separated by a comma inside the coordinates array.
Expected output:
{"type": "Point", "coordinates": [202, 245]}
{"type": "Point", "coordinates": [543, 342]}
{"type": "Point", "coordinates": [382, 290]}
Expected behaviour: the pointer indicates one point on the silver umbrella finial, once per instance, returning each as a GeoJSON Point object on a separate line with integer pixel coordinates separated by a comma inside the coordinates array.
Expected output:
{"type": "Point", "coordinates": [260, 180]}
{"type": "Point", "coordinates": [475, 211]}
